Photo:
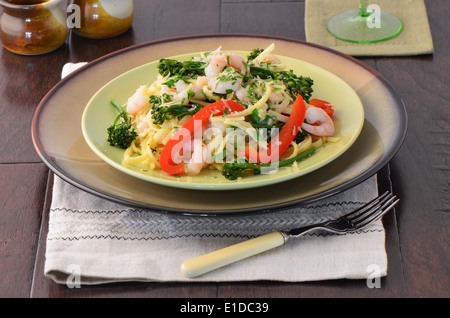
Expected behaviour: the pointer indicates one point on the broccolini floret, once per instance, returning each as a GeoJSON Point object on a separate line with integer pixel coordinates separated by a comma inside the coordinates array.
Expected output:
{"type": "Point", "coordinates": [234, 170]}
{"type": "Point", "coordinates": [121, 133]}
{"type": "Point", "coordinates": [254, 53]}
{"type": "Point", "coordinates": [294, 84]}
{"type": "Point", "coordinates": [161, 113]}
{"type": "Point", "coordinates": [176, 68]}
{"type": "Point", "coordinates": [297, 84]}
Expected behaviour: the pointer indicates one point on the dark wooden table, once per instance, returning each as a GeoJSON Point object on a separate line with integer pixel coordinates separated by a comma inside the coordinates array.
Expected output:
{"type": "Point", "coordinates": [416, 234]}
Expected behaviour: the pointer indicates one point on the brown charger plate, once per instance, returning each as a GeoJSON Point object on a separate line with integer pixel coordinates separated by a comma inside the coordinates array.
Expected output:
{"type": "Point", "coordinates": [58, 139]}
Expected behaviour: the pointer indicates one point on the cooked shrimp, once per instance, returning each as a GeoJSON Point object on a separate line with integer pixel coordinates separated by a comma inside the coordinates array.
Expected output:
{"type": "Point", "coordinates": [318, 122]}
{"type": "Point", "coordinates": [197, 86]}
{"type": "Point", "coordinates": [220, 86]}
{"type": "Point", "coordinates": [274, 63]}
{"type": "Point", "coordinates": [224, 71]}
{"type": "Point", "coordinates": [218, 61]}
{"type": "Point", "coordinates": [237, 62]}
{"type": "Point", "coordinates": [181, 98]}
{"type": "Point", "coordinates": [167, 90]}
{"type": "Point", "coordinates": [242, 94]}
{"type": "Point", "coordinates": [276, 97]}
{"type": "Point", "coordinates": [181, 85]}
{"type": "Point", "coordinates": [138, 101]}
{"type": "Point", "coordinates": [143, 125]}
{"type": "Point", "coordinates": [270, 58]}
{"type": "Point", "coordinates": [196, 163]}
{"type": "Point", "coordinates": [216, 64]}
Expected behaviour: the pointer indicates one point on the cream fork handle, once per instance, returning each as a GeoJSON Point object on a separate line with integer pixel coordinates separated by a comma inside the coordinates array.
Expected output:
{"type": "Point", "coordinates": [214, 260]}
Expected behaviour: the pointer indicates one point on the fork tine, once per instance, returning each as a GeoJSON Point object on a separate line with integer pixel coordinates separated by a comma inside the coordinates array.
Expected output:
{"type": "Point", "coordinates": [377, 214]}
{"type": "Point", "coordinates": [370, 207]}
{"type": "Point", "coordinates": [366, 206]}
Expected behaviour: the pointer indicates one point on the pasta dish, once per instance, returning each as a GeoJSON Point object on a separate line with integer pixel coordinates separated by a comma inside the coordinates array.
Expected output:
{"type": "Point", "coordinates": [222, 111]}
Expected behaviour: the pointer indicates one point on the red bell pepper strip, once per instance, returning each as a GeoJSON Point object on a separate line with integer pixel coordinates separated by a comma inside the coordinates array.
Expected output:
{"type": "Point", "coordinates": [326, 106]}
{"type": "Point", "coordinates": [187, 131]}
{"type": "Point", "coordinates": [287, 134]}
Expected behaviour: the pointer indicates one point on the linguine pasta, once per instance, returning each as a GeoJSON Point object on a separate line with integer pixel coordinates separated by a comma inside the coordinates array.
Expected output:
{"type": "Point", "coordinates": [258, 82]}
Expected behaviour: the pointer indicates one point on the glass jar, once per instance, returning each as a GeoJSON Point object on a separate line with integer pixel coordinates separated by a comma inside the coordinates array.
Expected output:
{"type": "Point", "coordinates": [32, 27]}
{"type": "Point", "coordinates": [104, 18]}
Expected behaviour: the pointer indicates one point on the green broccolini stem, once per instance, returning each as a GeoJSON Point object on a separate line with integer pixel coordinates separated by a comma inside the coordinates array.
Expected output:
{"type": "Point", "coordinates": [233, 170]}
{"type": "Point", "coordinates": [303, 155]}
{"type": "Point", "coordinates": [121, 135]}
{"type": "Point", "coordinates": [122, 112]}
{"type": "Point", "coordinates": [262, 72]}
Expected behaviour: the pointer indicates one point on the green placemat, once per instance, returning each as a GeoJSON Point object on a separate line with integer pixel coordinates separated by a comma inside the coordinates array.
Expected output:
{"type": "Point", "coordinates": [414, 39]}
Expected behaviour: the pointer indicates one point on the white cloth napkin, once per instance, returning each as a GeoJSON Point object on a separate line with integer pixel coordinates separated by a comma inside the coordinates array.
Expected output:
{"type": "Point", "coordinates": [95, 241]}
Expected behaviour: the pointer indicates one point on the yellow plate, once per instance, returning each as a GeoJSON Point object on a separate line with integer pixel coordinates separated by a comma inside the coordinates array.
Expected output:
{"type": "Point", "coordinates": [348, 118]}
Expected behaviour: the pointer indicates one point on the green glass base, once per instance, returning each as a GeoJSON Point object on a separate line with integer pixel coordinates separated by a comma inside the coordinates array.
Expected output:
{"type": "Point", "coordinates": [352, 27]}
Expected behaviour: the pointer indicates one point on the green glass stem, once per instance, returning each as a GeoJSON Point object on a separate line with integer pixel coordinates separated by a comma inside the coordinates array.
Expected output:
{"type": "Point", "coordinates": [363, 25]}
{"type": "Point", "coordinates": [363, 8]}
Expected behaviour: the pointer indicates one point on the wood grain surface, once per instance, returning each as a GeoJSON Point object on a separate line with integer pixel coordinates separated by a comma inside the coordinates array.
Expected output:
{"type": "Point", "coordinates": [416, 233]}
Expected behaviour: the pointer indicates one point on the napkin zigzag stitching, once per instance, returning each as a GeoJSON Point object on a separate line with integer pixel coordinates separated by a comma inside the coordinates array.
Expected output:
{"type": "Point", "coordinates": [203, 235]}
{"type": "Point", "coordinates": [308, 207]}
{"type": "Point", "coordinates": [95, 211]}
{"type": "Point", "coordinates": [157, 238]}
{"type": "Point", "coordinates": [135, 224]}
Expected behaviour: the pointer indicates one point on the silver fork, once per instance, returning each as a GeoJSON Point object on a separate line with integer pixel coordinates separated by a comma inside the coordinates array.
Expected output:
{"type": "Point", "coordinates": [353, 221]}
